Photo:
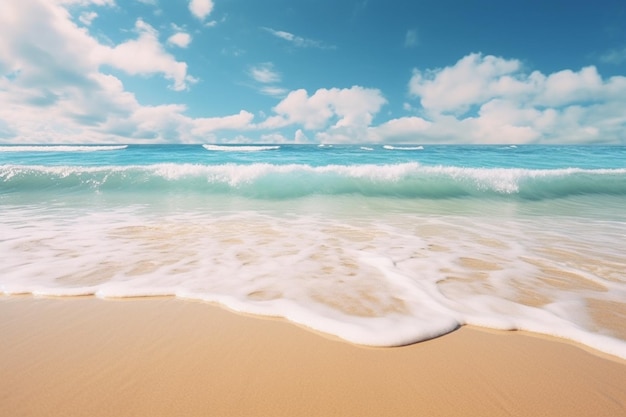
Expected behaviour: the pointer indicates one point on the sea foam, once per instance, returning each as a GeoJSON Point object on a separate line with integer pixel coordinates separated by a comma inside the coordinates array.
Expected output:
{"type": "Point", "coordinates": [61, 148]}
{"type": "Point", "coordinates": [382, 280]}
{"type": "Point", "coordinates": [263, 180]}
{"type": "Point", "coordinates": [240, 148]}
{"type": "Point", "coordinates": [403, 148]}
{"type": "Point", "coordinates": [383, 247]}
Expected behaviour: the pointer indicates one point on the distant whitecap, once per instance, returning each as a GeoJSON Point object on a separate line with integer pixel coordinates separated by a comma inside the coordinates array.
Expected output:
{"type": "Point", "coordinates": [403, 148]}
{"type": "Point", "coordinates": [61, 148]}
{"type": "Point", "coordinates": [239, 148]}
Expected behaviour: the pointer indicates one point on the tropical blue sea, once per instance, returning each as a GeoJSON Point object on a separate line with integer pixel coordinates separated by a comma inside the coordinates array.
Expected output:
{"type": "Point", "coordinates": [378, 245]}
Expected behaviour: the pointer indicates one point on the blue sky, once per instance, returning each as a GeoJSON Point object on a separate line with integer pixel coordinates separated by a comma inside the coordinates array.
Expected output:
{"type": "Point", "coordinates": [312, 71]}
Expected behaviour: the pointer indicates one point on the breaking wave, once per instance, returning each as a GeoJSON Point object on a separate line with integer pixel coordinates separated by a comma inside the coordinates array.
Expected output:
{"type": "Point", "coordinates": [240, 148]}
{"type": "Point", "coordinates": [268, 181]}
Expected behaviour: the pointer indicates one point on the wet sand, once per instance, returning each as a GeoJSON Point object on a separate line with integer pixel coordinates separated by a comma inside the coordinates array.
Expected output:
{"type": "Point", "coordinates": [168, 357]}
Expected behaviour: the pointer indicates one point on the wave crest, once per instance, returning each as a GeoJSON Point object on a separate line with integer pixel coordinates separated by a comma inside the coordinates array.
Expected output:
{"type": "Point", "coordinates": [408, 180]}
{"type": "Point", "coordinates": [61, 148]}
{"type": "Point", "coordinates": [403, 148]}
{"type": "Point", "coordinates": [240, 148]}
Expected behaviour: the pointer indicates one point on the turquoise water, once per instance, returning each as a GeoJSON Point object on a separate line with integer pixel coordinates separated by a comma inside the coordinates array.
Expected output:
{"type": "Point", "coordinates": [470, 156]}
{"type": "Point", "coordinates": [379, 245]}
{"type": "Point", "coordinates": [283, 172]}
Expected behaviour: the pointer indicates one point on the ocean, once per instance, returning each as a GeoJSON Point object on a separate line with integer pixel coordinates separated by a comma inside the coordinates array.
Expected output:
{"type": "Point", "coordinates": [375, 244]}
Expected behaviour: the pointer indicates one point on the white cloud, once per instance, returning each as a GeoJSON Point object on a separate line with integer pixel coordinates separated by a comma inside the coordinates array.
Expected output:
{"type": "Point", "coordinates": [87, 2]}
{"type": "Point", "coordinates": [240, 121]}
{"type": "Point", "coordinates": [473, 79]}
{"type": "Point", "coordinates": [476, 79]}
{"type": "Point", "coordinates": [87, 17]}
{"type": "Point", "coordinates": [487, 99]}
{"type": "Point", "coordinates": [298, 108]}
{"type": "Point", "coordinates": [335, 115]}
{"type": "Point", "coordinates": [298, 41]}
{"type": "Point", "coordinates": [42, 46]}
{"type": "Point", "coordinates": [273, 91]}
{"type": "Point", "coordinates": [264, 73]}
{"type": "Point", "coordinates": [144, 56]}
{"type": "Point", "coordinates": [568, 87]}
{"type": "Point", "coordinates": [500, 122]}
{"type": "Point", "coordinates": [275, 138]}
{"type": "Point", "coordinates": [404, 129]}
{"type": "Point", "coordinates": [201, 8]}
{"type": "Point", "coordinates": [355, 106]}
{"type": "Point", "coordinates": [300, 137]}
{"type": "Point", "coordinates": [56, 90]}
{"type": "Point", "coordinates": [180, 39]}
{"type": "Point", "coordinates": [213, 23]}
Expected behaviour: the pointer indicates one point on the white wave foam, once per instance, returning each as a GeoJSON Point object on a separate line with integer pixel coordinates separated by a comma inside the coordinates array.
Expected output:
{"type": "Point", "coordinates": [406, 179]}
{"type": "Point", "coordinates": [390, 280]}
{"type": "Point", "coordinates": [240, 148]}
{"type": "Point", "coordinates": [61, 148]}
{"type": "Point", "coordinates": [403, 148]}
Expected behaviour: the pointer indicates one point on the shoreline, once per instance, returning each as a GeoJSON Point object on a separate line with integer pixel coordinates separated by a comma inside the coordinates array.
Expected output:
{"type": "Point", "coordinates": [169, 357]}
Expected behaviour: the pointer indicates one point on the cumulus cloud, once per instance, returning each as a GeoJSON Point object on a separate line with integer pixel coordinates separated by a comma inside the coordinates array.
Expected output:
{"type": "Point", "coordinates": [180, 39]}
{"type": "Point", "coordinates": [333, 115]}
{"type": "Point", "coordinates": [300, 137]}
{"type": "Point", "coordinates": [275, 137]}
{"type": "Point", "coordinates": [87, 2]}
{"type": "Point", "coordinates": [201, 8]}
{"type": "Point", "coordinates": [488, 99]}
{"type": "Point", "coordinates": [40, 39]}
{"type": "Point", "coordinates": [145, 55]}
{"type": "Point", "coordinates": [55, 88]}
{"type": "Point", "coordinates": [241, 121]}
{"type": "Point", "coordinates": [399, 130]}
{"type": "Point", "coordinates": [348, 107]}
{"type": "Point", "coordinates": [471, 80]}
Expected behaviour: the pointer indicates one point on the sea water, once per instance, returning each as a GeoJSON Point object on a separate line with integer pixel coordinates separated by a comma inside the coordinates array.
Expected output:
{"type": "Point", "coordinates": [379, 245]}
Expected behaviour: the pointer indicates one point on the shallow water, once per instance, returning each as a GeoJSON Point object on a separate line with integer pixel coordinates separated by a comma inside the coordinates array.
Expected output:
{"type": "Point", "coordinates": [379, 247]}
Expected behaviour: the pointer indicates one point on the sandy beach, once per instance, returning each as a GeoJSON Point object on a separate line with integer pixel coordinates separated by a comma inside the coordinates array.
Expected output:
{"type": "Point", "coordinates": [168, 357]}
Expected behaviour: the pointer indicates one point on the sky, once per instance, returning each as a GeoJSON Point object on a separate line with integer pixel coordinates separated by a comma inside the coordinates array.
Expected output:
{"type": "Point", "coordinates": [313, 71]}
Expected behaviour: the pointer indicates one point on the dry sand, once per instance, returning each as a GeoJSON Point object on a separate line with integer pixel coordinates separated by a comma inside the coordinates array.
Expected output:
{"type": "Point", "coordinates": [167, 357]}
